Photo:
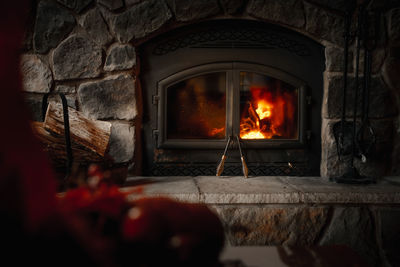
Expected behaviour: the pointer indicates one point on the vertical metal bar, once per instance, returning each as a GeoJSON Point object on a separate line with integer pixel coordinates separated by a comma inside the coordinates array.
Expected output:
{"type": "Point", "coordinates": [230, 107]}
{"type": "Point", "coordinates": [345, 67]}
{"type": "Point", "coordinates": [356, 82]}
{"type": "Point", "coordinates": [236, 100]}
{"type": "Point", "coordinates": [67, 134]}
{"type": "Point", "coordinates": [340, 141]}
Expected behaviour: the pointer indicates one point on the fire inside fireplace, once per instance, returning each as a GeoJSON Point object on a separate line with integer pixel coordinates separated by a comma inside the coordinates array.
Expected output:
{"type": "Point", "coordinates": [204, 83]}
{"type": "Point", "coordinates": [268, 108]}
{"type": "Point", "coordinates": [197, 108]}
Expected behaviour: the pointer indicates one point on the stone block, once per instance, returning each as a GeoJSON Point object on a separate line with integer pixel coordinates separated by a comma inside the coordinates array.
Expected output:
{"type": "Point", "coordinates": [65, 89]}
{"type": "Point", "coordinates": [53, 24]}
{"type": "Point", "coordinates": [193, 10]}
{"type": "Point", "coordinates": [140, 20]}
{"type": "Point", "coordinates": [96, 27]}
{"type": "Point", "coordinates": [322, 191]}
{"type": "Point", "coordinates": [120, 57]}
{"type": "Point", "coordinates": [36, 75]}
{"type": "Point", "coordinates": [288, 12]}
{"type": "Point", "coordinates": [381, 98]}
{"type": "Point", "coordinates": [334, 57]}
{"type": "Point", "coordinates": [111, 4]}
{"type": "Point", "coordinates": [378, 57]}
{"type": "Point", "coordinates": [272, 226]}
{"type": "Point", "coordinates": [390, 233]}
{"type": "Point", "coordinates": [236, 190]}
{"type": "Point", "coordinates": [394, 25]}
{"type": "Point", "coordinates": [395, 170]}
{"type": "Point", "coordinates": [110, 98]}
{"type": "Point", "coordinates": [77, 5]}
{"type": "Point", "coordinates": [383, 5]}
{"type": "Point", "coordinates": [34, 104]}
{"type": "Point", "coordinates": [330, 164]}
{"type": "Point", "coordinates": [354, 227]}
{"type": "Point", "coordinates": [390, 69]}
{"type": "Point", "coordinates": [232, 6]}
{"type": "Point", "coordinates": [133, 2]}
{"type": "Point", "coordinates": [77, 57]}
{"type": "Point", "coordinates": [323, 24]}
{"type": "Point", "coordinates": [122, 142]}
{"type": "Point", "coordinates": [338, 5]}
{"type": "Point", "coordinates": [71, 100]}
{"type": "Point", "coordinates": [178, 187]}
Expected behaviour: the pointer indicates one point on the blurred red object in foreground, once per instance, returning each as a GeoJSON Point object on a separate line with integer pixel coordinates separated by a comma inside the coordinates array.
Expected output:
{"type": "Point", "coordinates": [147, 231]}
{"type": "Point", "coordinates": [27, 184]}
{"type": "Point", "coordinates": [92, 225]}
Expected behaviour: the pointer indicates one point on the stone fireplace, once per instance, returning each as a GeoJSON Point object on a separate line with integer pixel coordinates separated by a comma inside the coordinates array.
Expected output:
{"type": "Point", "coordinates": [146, 65]}
{"type": "Point", "coordinates": [98, 55]}
{"type": "Point", "coordinates": [208, 81]}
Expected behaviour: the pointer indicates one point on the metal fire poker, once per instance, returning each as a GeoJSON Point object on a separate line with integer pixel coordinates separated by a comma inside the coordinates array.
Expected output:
{"type": "Point", "coordinates": [244, 165]}
{"type": "Point", "coordinates": [358, 145]}
{"type": "Point", "coordinates": [220, 167]}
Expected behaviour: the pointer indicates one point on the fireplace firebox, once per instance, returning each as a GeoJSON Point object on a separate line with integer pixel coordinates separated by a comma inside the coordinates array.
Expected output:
{"type": "Point", "coordinates": [203, 83]}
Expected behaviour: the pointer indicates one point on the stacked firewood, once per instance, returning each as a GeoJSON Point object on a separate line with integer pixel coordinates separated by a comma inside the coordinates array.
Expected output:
{"type": "Point", "coordinates": [89, 138]}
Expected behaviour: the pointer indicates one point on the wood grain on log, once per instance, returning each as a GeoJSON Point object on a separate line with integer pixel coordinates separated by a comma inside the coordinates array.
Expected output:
{"type": "Point", "coordinates": [91, 134]}
{"type": "Point", "coordinates": [54, 145]}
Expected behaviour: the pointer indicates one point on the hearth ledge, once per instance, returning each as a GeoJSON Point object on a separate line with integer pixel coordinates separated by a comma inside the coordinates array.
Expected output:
{"type": "Point", "coordinates": [264, 190]}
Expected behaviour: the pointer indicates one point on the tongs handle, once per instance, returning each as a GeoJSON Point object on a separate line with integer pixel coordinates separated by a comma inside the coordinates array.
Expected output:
{"type": "Point", "coordinates": [220, 167]}
{"type": "Point", "coordinates": [245, 169]}
{"type": "Point", "coordinates": [221, 164]}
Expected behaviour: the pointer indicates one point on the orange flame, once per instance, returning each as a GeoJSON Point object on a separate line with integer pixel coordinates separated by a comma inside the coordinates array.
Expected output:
{"type": "Point", "coordinates": [263, 109]}
{"type": "Point", "coordinates": [273, 117]}
{"type": "Point", "coordinates": [216, 131]}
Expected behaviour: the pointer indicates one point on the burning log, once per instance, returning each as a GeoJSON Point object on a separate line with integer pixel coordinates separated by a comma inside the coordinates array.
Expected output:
{"type": "Point", "coordinates": [93, 135]}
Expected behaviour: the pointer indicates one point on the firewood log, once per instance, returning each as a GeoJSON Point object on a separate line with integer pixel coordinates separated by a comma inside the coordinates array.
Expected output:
{"type": "Point", "coordinates": [54, 145]}
{"type": "Point", "coordinates": [91, 134]}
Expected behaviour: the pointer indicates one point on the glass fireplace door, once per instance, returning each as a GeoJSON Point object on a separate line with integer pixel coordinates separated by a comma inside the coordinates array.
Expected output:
{"type": "Point", "coordinates": [196, 107]}
{"type": "Point", "coordinates": [200, 109]}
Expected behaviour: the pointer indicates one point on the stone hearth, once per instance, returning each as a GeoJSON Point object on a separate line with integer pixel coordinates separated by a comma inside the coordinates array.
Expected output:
{"type": "Point", "coordinates": [270, 211]}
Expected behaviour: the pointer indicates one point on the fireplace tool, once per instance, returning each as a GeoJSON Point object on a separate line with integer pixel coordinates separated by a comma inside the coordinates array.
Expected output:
{"type": "Point", "coordinates": [358, 147]}
{"type": "Point", "coordinates": [366, 137]}
{"type": "Point", "coordinates": [244, 165]}
{"type": "Point", "coordinates": [221, 164]}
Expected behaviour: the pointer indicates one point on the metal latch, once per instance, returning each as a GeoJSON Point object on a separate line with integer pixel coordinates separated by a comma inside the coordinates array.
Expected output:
{"type": "Point", "coordinates": [155, 133]}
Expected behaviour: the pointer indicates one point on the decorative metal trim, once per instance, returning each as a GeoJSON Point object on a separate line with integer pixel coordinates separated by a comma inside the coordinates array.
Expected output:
{"type": "Point", "coordinates": [254, 38]}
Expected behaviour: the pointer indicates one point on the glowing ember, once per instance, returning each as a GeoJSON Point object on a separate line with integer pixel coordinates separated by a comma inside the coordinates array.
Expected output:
{"type": "Point", "coordinates": [253, 135]}
{"type": "Point", "coordinates": [216, 131]}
